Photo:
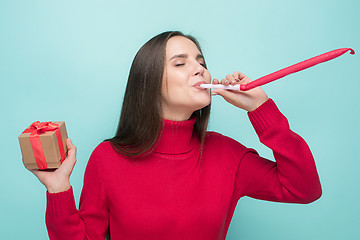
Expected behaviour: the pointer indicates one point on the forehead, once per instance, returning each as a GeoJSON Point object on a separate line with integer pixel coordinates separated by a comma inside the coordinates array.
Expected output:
{"type": "Point", "coordinates": [180, 45]}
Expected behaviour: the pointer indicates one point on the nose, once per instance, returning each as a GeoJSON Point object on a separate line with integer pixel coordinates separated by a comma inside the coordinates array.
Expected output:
{"type": "Point", "coordinates": [198, 69]}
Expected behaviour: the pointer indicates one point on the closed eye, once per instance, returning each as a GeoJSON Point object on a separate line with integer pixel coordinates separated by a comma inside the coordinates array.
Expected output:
{"type": "Point", "coordinates": [203, 65]}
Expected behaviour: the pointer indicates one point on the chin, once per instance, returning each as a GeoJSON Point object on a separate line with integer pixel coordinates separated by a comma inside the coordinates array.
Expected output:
{"type": "Point", "coordinates": [203, 104]}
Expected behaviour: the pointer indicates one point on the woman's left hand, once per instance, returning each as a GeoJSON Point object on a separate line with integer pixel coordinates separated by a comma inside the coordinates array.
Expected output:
{"type": "Point", "coordinates": [247, 100]}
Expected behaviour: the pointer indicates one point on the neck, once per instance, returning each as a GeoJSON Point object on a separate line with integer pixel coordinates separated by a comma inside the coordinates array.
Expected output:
{"type": "Point", "coordinates": [176, 115]}
{"type": "Point", "coordinates": [177, 137]}
{"type": "Point", "coordinates": [177, 118]}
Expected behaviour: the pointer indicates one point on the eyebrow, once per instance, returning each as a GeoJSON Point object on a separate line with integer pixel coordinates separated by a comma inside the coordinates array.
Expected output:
{"type": "Point", "coordinates": [199, 56]}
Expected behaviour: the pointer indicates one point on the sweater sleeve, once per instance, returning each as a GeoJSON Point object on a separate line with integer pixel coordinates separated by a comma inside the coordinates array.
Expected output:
{"type": "Point", "coordinates": [293, 178]}
{"type": "Point", "coordinates": [64, 221]}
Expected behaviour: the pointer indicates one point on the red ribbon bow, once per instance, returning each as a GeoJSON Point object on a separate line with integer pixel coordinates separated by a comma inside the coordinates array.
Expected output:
{"type": "Point", "coordinates": [36, 129]}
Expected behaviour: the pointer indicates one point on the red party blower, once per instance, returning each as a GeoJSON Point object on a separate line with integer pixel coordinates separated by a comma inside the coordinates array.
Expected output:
{"type": "Point", "coordinates": [295, 68]}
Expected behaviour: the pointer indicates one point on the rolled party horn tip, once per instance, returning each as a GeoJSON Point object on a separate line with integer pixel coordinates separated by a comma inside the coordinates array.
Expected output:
{"type": "Point", "coordinates": [295, 68]}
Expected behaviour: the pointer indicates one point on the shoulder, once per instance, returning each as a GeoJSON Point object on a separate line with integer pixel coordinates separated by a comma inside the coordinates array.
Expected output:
{"type": "Point", "coordinates": [103, 147]}
{"type": "Point", "coordinates": [103, 158]}
{"type": "Point", "coordinates": [103, 150]}
{"type": "Point", "coordinates": [223, 151]}
{"type": "Point", "coordinates": [219, 140]}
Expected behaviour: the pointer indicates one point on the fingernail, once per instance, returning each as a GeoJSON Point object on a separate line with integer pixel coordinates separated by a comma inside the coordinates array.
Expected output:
{"type": "Point", "coordinates": [233, 82]}
{"type": "Point", "coordinates": [226, 82]}
{"type": "Point", "coordinates": [214, 93]}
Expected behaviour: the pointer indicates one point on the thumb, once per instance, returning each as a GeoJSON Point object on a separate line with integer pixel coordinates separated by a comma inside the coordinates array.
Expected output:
{"type": "Point", "coordinates": [69, 163]}
{"type": "Point", "coordinates": [226, 94]}
{"type": "Point", "coordinates": [233, 97]}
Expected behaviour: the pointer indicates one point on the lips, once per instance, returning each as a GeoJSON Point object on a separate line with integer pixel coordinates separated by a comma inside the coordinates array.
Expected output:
{"type": "Point", "coordinates": [197, 85]}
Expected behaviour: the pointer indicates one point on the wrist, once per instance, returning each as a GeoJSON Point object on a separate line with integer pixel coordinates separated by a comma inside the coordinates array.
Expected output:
{"type": "Point", "coordinates": [59, 187]}
{"type": "Point", "coordinates": [257, 104]}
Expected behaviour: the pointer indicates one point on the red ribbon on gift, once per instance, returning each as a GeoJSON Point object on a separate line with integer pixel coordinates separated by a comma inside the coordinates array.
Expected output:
{"type": "Point", "coordinates": [36, 129]}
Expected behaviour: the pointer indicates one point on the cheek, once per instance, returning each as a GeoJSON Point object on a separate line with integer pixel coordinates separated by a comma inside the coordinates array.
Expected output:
{"type": "Point", "coordinates": [207, 76]}
{"type": "Point", "coordinates": [174, 82]}
{"type": "Point", "coordinates": [174, 88]}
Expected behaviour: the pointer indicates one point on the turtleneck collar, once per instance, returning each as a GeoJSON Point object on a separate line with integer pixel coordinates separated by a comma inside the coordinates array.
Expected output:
{"type": "Point", "coordinates": [176, 137]}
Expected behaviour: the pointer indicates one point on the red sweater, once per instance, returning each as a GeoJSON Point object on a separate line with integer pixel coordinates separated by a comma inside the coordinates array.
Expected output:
{"type": "Point", "coordinates": [175, 194]}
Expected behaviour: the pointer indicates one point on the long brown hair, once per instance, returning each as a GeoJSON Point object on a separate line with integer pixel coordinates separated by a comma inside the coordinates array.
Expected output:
{"type": "Point", "coordinates": [141, 122]}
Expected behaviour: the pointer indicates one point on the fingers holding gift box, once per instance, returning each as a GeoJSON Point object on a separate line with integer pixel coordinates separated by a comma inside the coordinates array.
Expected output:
{"type": "Point", "coordinates": [43, 145]}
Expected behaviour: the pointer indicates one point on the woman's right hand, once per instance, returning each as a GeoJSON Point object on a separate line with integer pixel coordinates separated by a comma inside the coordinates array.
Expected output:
{"type": "Point", "coordinates": [58, 180]}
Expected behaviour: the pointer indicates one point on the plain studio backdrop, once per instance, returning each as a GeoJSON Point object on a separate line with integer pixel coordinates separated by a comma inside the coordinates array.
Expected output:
{"type": "Point", "coordinates": [69, 61]}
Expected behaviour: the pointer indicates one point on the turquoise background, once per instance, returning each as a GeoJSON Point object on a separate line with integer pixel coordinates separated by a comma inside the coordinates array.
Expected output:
{"type": "Point", "coordinates": [69, 61]}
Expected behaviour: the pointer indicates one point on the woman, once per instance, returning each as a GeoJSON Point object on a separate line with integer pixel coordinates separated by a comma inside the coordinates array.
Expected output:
{"type": "Point", "coordinates": [163, 175]}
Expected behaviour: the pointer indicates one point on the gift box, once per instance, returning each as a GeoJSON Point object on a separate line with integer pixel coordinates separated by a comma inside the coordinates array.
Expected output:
{"type": "Point", "coordinates": [43, 145]}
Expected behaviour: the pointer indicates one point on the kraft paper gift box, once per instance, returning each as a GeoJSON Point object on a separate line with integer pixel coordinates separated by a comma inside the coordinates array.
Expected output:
{"type": "Point", "coordinates": [43, 145]}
